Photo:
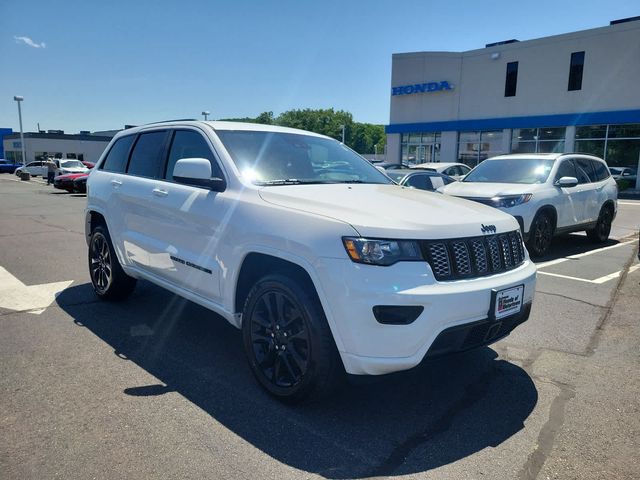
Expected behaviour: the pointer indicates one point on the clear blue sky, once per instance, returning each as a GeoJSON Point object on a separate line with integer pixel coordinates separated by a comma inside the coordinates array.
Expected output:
{"type": "Point", "coordinates": [106, 64]}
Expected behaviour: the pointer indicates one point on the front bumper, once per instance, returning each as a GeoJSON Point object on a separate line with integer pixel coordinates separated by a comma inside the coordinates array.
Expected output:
{"type": "Point", "coordinates": [349, 291]}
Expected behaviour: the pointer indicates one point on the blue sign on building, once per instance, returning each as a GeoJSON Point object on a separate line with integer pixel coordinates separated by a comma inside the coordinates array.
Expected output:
{"type": "Point", "coordinates": [421, 88]}
{"type": "Point", "coordinates": [3, 132]}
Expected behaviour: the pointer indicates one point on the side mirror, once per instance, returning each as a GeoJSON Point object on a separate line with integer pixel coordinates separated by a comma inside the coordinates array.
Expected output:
{"type": "Point", "coordinates": [197, 172]}
{"type": "Point", "coordinates": [566, 182]}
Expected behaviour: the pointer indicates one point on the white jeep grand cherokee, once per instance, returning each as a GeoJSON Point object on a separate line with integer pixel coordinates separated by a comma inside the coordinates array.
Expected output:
{"type": "Point", "coordinates": [318, 257]}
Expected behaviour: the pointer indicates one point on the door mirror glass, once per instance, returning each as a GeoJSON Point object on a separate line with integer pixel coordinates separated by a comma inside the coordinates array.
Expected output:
{"type": "Point", "coordinates": [197, 172]}
{"type": "Point", "coordinates": [567, 182]}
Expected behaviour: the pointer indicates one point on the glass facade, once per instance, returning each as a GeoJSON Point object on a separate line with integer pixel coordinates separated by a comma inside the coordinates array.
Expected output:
{"type": "Point", "coordinates": [538, 140]}
{"type": "Point", "coordinates": [474, 147]}
{"type": "Point", "coordinates": [420, 147]}
{"type": "Point", "coordinates": [618, 145]}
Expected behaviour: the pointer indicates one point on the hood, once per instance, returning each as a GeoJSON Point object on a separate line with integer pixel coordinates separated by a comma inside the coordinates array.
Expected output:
{"type": "Point", "coordinates": [486, 190]}
{"type": "Point", "coordinates": [390, 211]}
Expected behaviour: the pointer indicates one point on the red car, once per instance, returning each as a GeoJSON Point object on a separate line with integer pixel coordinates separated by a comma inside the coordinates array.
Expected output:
{"type": "Point", "coordinates": [65, 182]}
{"type": "Point", "coordinates": [88, 164]}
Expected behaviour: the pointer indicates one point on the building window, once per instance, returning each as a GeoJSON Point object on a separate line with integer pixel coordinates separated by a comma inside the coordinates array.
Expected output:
{"type": "Point", "coordinates": [420, 147]}
{"type": "Point", "coordinates": [618, 145]}
{"type": "Point", "coordinates": [591, 139]}
{"type": "Point", "coordinates": [538, 140]}
{"type": "Point", "coordinates": [511, 80]}
{"type": "Point", "coordinates": [474, 147]}
{"type": "Point", "coordinates": [575, 71]}
{"type": "Point", "coordinates": [72, 156]}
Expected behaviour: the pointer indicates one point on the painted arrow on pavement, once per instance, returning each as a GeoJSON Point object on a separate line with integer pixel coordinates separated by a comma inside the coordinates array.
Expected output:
{"type": "Point", "coordinates": [15, 295]}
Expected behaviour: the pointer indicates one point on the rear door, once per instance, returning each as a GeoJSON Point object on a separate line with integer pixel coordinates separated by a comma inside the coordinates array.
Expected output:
{"type": "Point", "coordinates": [136, 197]}
{"type": "Point", "coordinates": [188, 220]}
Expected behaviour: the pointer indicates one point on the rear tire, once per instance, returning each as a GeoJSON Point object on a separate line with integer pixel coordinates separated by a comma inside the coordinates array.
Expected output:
{"type": "Point", "coordinates": [540, 235]}
{"type": "Point", "coordinates": [600, 233]}
{"type": "Point", "coordinates": [288, 342]}
{"type": "Point", "coordinates": [107, 276]}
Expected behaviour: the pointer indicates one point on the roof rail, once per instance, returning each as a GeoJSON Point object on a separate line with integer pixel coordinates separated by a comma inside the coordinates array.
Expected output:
{"type": "Point", "coordinates": [174, 120]}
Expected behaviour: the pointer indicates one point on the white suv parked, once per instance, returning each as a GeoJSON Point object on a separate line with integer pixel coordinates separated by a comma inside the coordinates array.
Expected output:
{"type": "Point", "coordinates": [548, 194]}
{"type": "Point", "coordinates": [321, 260]}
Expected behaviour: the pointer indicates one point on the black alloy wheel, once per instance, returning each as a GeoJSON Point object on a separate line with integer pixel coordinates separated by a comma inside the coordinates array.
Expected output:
{"type": "Point", "coordinates": [540, 235]}
{"type": "Point", "coordinates": [109, 280]}
{"type": "Point", "coordinates": [288, 341]}
{"type": "Point", "coordinates": [100, 263]}
{"type": "Point", "coordinates": [601, 232]}
{"type": "Point", "coordinates": [280, 339]}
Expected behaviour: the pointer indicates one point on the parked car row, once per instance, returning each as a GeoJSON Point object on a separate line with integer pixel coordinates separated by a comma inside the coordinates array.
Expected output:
{"type": "Point", "coordinates": [39, 167]}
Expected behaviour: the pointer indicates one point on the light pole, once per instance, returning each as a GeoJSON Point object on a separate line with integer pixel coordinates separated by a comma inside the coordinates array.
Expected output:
{"type": "Point", "coordinates": [343, 127]}
{"type": "Point", "coordinates": [206, 114]}
{"type": "Point", "coordinates": [18, 99]}
{"type": "Point", "coordinates": [375, 149]}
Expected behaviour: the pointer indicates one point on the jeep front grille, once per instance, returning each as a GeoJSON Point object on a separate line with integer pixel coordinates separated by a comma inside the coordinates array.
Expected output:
{"type": "Point", "coordinates": [473, 257]}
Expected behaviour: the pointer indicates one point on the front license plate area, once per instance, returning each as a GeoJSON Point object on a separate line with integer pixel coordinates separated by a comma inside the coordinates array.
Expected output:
{"type": "Point", "coordinates": [506, 302]}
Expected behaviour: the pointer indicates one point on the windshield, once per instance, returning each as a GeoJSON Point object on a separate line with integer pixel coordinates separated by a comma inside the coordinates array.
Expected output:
{"type": "Point", "coordinates": [274, 158]}
{"type": "Point", "coordinates": [71, 164]}
{"type": "Point", "coordinates": [522, 170]}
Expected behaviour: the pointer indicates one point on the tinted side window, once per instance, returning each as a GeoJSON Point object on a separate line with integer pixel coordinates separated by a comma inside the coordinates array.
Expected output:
{"type": "Point", "coordinates": [117, 157]}
{"type": "Point", "coordinates": [583, 165]}
{"type": "Point", "coordinates": [602, 172]}
{"type": "Point", "coordinates": [566, 169]}
{"type": "Point", "coordinates": [146, 159]}
{"type": "Point", "coordinates": [190, 144]}
{"type": "Point", "coordinates": [418, 181]}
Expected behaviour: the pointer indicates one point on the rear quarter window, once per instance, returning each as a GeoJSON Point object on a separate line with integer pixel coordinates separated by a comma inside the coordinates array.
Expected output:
{"type": "Point", "coordinates": [602, 172]}
{"type": "Point", "coordinates": [117, 157]}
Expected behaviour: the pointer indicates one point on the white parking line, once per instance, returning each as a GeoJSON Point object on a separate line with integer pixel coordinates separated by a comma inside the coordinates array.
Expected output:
{"type": "Point", "coordinates": [636, 203]}
{"type": "Point", "coordinates": [580, 255]}
{"type": "Point", "coordinates": [596, 281]}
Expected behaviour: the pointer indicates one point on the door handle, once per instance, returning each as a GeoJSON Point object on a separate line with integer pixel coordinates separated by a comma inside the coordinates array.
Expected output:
{"type": "Point", "coordinates": [160, 193]}
{"type": "Point", "coordinates": [116, 183]}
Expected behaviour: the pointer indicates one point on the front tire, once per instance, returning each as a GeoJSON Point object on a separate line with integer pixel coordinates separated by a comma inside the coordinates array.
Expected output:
{"type": "Point", "coordinates": [287, 340]}
{"type": "Point", "coordinates": [600, 233]}
{"type": "Point", "coordinates": [107, 276]}
{"type": "Point", "coordinates": [540, 235]}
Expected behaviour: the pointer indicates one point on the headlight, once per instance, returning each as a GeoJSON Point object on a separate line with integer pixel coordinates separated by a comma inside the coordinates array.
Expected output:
{"type": "Point", "coordinates": [509, 201]}
{"type": "Point", "coordinates": [381, 252]}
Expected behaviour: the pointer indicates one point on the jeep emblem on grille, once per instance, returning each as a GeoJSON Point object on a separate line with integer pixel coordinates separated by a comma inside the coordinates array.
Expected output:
{"type": "Point", "coordinates": [487, 228]}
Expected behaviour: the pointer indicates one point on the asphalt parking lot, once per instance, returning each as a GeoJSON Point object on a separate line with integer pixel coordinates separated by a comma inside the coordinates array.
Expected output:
{"type": "Point", "coordinates": [159, 387]}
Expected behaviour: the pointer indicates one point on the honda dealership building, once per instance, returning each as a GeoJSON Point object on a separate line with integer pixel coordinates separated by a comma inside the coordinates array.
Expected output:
{"type": "Point", "coordinates": [576, 92]}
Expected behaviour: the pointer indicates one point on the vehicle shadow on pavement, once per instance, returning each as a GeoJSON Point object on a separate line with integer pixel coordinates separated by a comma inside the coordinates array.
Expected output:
{"type": "Point", "coordinates": [572, 244]}
{"type": "Point", "coordinates": [415, 421]}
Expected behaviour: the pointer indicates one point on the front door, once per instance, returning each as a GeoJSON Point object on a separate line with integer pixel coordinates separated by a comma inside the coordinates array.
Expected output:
{"type": "Point", "coordinates": [188, 220]}
{"type": "Point", "coordinates": [570, 200]}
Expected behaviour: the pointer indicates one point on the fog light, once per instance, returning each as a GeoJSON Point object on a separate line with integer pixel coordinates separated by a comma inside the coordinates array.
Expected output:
{"type": "Point", "coordinates": [397, 314]}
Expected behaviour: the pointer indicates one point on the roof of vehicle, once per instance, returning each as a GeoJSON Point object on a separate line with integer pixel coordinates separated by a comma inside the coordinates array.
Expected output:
{"type": "Point", "coordinates": [437, 164]}
{"type": "Point", "coordinates": [408, 171]}
{"type": "Point", "coordinates": [539, 156]}
{"type": "Point", "coordinates": [216, 125]}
